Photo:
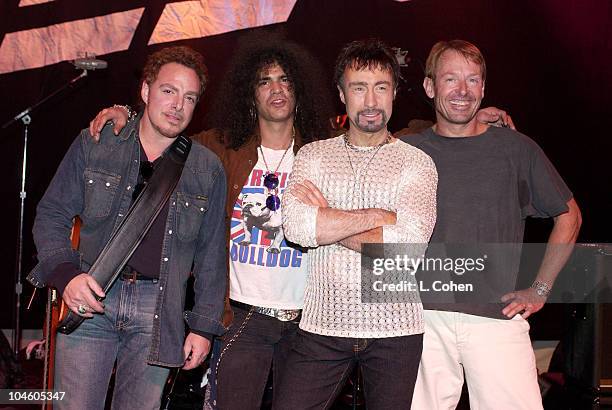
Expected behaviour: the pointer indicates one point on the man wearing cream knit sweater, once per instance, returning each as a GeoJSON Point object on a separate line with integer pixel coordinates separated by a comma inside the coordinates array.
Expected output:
{"type": "Point", "coordinates": [361, 187]}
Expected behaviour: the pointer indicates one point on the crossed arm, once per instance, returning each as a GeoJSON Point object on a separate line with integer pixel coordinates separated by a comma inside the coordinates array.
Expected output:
{"type": "Point", "coordinates": [309, 221]}
{"type": "Point", "coordinates": [350, 228]}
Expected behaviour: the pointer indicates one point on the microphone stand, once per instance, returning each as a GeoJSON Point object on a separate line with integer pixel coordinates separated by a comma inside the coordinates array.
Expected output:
{"type": "Point", "coordinates": [26, 119]}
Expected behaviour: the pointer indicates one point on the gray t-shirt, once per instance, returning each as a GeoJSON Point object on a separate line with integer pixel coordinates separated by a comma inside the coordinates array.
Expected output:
{"type": "Point", "coordinates": [488, 184]}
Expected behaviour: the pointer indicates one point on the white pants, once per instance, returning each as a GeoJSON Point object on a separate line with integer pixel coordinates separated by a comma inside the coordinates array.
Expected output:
{"type": "Point", "coordinates": [495, 354]}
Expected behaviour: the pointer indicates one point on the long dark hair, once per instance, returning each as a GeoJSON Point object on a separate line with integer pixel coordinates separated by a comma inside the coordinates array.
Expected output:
{"type": "Point", "coordinates": [234, 104]}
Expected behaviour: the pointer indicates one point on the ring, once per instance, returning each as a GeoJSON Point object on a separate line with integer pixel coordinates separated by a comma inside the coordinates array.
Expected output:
{"type": "Point", "coordinates": [82, 309]}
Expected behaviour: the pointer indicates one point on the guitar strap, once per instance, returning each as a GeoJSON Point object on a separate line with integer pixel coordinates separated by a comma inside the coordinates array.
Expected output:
{"type": "Point", "coordinates": [137, 222]}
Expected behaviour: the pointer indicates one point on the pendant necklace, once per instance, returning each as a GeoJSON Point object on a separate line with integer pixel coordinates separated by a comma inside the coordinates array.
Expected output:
{"type": "Point", "coordinates": [271, 180]}
{"type": "Point", "coordinates": [363, 166]}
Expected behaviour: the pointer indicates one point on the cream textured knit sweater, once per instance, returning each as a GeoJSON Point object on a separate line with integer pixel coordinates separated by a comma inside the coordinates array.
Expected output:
{"type": "Point", "coordinates": [396, 177]}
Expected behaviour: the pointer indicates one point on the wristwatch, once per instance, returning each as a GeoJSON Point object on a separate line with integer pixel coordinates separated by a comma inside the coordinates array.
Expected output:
{"type": "Point", "coordinates": [541, 288]}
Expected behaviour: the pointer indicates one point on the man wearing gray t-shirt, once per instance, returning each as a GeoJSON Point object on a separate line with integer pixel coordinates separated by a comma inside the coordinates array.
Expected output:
{"type": "Point", "coordinates": [490, 180]}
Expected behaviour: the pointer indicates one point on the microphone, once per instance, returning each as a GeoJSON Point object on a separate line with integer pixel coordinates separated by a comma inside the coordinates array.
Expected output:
{"type": "Point", "coordinates": [89, 63]}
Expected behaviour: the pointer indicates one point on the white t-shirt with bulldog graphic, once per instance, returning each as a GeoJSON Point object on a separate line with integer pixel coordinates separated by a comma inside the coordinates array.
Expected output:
{"type": "Point", "coordinates": [264, 270]}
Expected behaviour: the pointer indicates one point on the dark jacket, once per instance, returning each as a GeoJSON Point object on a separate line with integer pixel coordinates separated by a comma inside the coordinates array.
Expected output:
{"type": "Point", "coordinates": [95, 181]}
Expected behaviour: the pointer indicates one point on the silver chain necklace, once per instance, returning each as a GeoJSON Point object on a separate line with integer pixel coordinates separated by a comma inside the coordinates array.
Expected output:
{"type": "Point", "coordinates": [284, 153]}
{"type": "Point", "coordinates": [279, 162]}
{"type": "Point", "coordinates": [357, 174]}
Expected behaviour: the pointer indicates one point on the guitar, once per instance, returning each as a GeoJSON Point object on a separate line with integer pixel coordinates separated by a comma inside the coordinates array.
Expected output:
{"type": "Point", "coordinates": [56, 311]}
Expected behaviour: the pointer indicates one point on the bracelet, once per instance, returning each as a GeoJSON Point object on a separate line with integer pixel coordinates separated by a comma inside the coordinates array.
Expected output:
{"type": "Point", "coordinates": [541, 288]}
{"type": "Point", "coordinates": [130, 113]}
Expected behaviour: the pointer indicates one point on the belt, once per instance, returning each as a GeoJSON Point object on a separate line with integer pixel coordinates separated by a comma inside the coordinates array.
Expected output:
{"type": "Point", "coordinates": [129, 274]}
{"type": "Point", "coordinates": [283, 315]}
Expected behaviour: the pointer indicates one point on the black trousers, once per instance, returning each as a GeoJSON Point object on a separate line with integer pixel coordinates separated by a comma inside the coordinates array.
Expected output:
{"type": "Point", "coordinates": [317, 368]}
{"type": "Point", "coordinates": [244, 368]}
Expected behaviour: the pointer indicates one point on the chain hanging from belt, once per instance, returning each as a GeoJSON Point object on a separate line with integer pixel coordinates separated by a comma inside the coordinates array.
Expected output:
{"type": "Point", "coordinates": [233, 339]}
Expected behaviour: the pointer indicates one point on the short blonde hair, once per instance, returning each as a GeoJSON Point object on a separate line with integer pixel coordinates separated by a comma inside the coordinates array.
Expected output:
{"type": "Point", "coordinates": [465, 48]}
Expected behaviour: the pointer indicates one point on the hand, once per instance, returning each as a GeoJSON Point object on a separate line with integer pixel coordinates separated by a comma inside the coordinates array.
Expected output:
{"type": "Point", "coordinates": [81, 290]}
{"type": "Point", "coordinates": [309, 194]}
{"type": "Point", "coordinates": [526, 301]}
{"type": "Point", "coordinates": [496, 117]}
{"type": "Point", "coordinates": [196, 349]}
{"type": "Point", "coordinates": [388, 217]}
{"type": "Point", "coordinates": [115, 114]}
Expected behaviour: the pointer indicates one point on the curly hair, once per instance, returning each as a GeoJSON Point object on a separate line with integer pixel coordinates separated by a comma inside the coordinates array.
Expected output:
{"type": "Point", "coordinates": [233, 106]}
{"type": "Point", "coordinates": [366, 54]}
{"type": "Point", "coordinates": [181, 55]}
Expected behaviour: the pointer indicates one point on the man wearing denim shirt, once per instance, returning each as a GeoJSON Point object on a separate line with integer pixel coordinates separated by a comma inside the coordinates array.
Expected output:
{"type": "Point", "coordinates": [139, 322]}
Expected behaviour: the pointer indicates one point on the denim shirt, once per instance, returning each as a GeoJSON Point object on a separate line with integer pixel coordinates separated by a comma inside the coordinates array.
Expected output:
{"type": "Point", "coordinates": [95, 181]}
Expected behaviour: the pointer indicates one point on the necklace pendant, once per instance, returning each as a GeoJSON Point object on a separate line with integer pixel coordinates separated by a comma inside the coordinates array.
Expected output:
{"type": "Point", "coordinates": [271, 181]}
{"type": "Point", "coordinates": [273, 202]}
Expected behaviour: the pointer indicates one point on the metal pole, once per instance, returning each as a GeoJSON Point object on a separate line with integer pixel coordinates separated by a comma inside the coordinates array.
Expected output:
{"type": "Point", "coordinates": [26, 119]}
{"type": "Point", "coordinates": [22, 195]}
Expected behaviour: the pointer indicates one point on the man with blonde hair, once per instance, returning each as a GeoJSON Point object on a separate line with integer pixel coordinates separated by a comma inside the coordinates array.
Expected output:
{"type": "Point", "coordinates": [490, 180]}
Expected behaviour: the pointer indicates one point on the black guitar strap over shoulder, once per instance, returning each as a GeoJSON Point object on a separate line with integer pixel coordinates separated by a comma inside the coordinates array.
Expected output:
{"type": "Point", "coordinates": [137, 222]}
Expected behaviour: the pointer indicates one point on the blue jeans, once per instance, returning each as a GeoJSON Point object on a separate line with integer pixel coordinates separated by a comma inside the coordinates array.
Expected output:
{"type": "Point", "coordinates": [245, 363]}
{"type": "Point", "coordinates": [85, 358]}
{"type": "Point", "coordinates": [318, 366]}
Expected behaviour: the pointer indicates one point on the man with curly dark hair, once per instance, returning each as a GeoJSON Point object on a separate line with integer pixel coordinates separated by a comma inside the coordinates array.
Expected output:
{"type": "Point", "coordinates": [237, 110]}
{"type": "Point", "coordinates": [270, 104]}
